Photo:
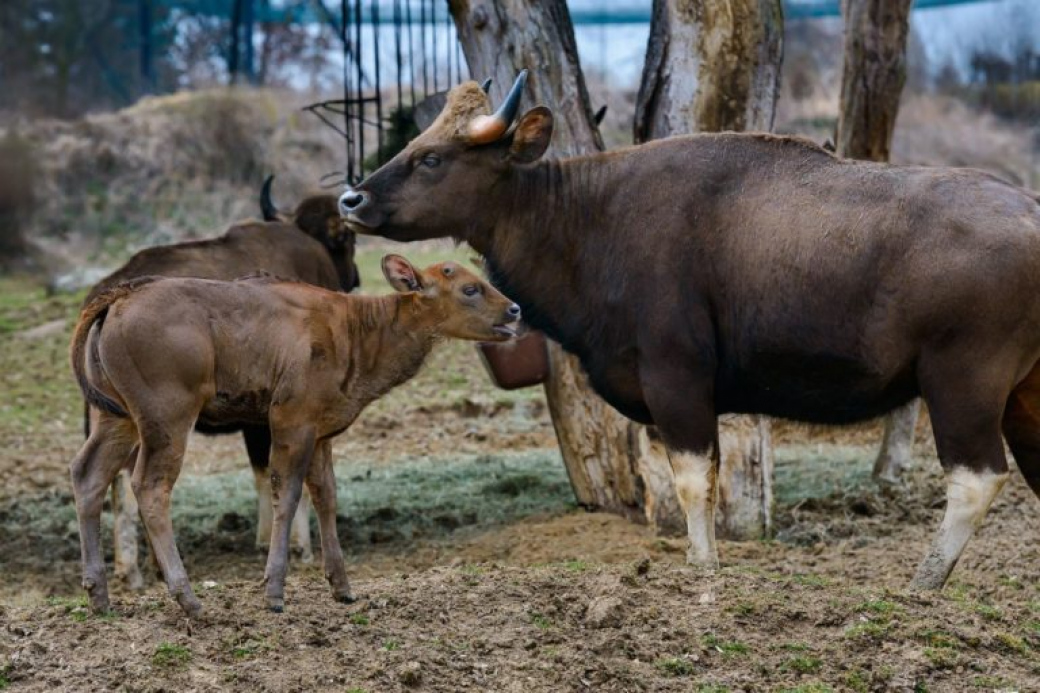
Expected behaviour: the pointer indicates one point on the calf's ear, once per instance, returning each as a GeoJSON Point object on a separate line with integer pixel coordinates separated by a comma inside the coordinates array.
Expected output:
{"type": "Point", "coordinates": [532, 135]}
{"type": "Point", "coordinates": [401, 274]}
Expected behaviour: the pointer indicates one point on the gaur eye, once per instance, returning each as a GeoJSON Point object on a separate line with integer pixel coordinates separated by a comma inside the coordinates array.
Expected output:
{"type": "Point", "coordinates": [471, 290]}
{"type": "Point", "coordinates": [431, 161]}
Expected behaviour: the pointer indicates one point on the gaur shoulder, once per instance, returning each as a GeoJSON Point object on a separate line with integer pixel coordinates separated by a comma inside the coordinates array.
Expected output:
{"type": "Point", "coordinates": [785, 142]}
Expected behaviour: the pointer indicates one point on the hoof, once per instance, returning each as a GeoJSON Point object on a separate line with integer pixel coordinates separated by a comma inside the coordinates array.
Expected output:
{"type": "Point", "coordinates": [191, 606]}
{"type": "Point", "coordinates": [347, 598]}
{"type": "Point", "coordinates": [97, 596]}
{"type": "Point", "coordinates": [275, 605]}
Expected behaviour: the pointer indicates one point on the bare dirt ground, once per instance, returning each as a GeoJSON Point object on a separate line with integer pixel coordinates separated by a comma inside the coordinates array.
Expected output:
{"type": "Point", "coordinates": [477, 572]}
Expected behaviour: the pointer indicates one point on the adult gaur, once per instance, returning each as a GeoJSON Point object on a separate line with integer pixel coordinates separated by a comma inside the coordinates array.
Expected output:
{"type": "Point", "coordinates": [751, 273]}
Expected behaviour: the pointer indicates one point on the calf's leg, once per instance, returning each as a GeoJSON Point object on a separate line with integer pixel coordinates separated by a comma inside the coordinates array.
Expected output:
{"type": "Point", "coordinates": [158, 466]}
{"type": "Point", "coordinates": [258, 445]}
{"type": "Point", "coordinates": [966, 415]}
{"type": "Point", "coordinates": [291, 455]}
{"type": "Point", "coordinates": [92, 471]}
{"type": "Point", "coordinates": [322, 486]}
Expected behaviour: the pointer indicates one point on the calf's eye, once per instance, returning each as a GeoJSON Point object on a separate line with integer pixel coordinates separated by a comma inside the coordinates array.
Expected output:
{"type": "Point", "coordinates": [471, 290]}
{"type": "Point", "coordinates": [431, 161]}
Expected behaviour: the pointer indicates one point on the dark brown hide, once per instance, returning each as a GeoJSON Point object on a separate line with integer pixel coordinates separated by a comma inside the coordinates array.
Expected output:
{"type": "Point", "coordinates": [748, 273]}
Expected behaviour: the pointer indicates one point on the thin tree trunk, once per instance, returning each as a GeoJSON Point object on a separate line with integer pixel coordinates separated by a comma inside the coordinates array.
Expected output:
{"type": "Point", "coordinates": [611, 462]}
{"type": "Point", "coordinates": [714, 65]}
{"type": "Point", "coordinates": [872, 81]}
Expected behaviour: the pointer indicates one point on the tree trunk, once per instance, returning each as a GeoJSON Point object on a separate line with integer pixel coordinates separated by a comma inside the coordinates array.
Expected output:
{"type": "Point", "coordinates": [872, 80]}
{"type": "Point", "coordinates": [610, 461]}
{"type": "Point", "coordinates": [714, 65]}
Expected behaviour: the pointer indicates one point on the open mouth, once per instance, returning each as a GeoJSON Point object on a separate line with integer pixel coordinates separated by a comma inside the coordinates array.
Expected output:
{"type": "Point", "coordinates": [506, 331]}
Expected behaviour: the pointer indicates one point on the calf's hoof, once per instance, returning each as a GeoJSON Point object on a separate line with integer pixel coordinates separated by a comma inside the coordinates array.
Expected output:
{"type": "Point", "coordinates": [275, 604]}
{"type": "Point", "coordinates": [189, 604]}
{"type": "Point", "coordinates": [97, 597]}
{"type": "Point", "coordinates": [344, 597]}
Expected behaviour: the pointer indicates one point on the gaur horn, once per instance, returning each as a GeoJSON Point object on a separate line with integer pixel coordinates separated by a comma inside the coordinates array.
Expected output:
{"type": "Point", "coordinates": [267, 208]}
{"type": "Point", "coordinates": [485, 129]}
{"type": "Point", "coordinates": [486, 86]}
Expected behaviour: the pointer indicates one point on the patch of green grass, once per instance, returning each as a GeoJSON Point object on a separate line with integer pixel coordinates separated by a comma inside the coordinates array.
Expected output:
{"type": "Point", "coordinates": [250, 648]}
{"type": "Point", "coordinates": [675, 666]}
{"type": "Point", "coordinates": [576, 566]}
{"type": "Point", "coordinates": [170, 655]}
{"type": "Point", "coordinates": [541, 622]}
{"type": "Point", "coordinates": [878, 606]}
{"type": "Point", "coordinates": [743, 608]}
{"type": "Point", "coordinates": [991, 682]}
{"type": "Point", "coordinates": [4, 681]}
{"type": "Point", "coordinates": [857, 681]}
{"type": "Point", "coordinates": [1011, 643]}
{"type": "Point", "coordinates": [356, 689]}
{"type": "Point", "coordinates": [806, 664]}
{"type": "Point", "coordinates": [1012, 581]}
{"type": "Point", "coordinates": [471, 569]}
{"type": "Point", "coordinates": [867, 630]}
{"type": "Point", "coordinates": [941, 657]}
{"type": "Point", "coordinates": [359, 619]}
{"type": "Point", "coordinates": [391, 645]}
{"type": "Point", "coordinates": [812, 687]}
{"type": "Point", "coordinates": [937, 638]}
{"type": "Point", "coordinates": [988, 612]}
{"type": "Point", "coordinates": [794, 647]}
{"type": "Point", "coordinates": [729, 648]}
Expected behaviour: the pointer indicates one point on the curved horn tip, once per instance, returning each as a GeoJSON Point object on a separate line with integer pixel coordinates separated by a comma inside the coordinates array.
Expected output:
{"type": "Point", "coordinates": [486, 85]}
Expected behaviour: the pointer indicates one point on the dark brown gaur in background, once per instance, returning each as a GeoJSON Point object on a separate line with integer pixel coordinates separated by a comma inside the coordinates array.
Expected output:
{"type": "Point", "coordinates": [749, 273]}
{"type": "Point", "coordinates": [309, 245]}
{"type": "Point", "coordinates": [155, 355]}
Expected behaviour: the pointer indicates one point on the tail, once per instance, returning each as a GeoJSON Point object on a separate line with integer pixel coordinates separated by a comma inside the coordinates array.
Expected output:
{"type": "Point", "coordinates": [267, 208]}
{"type": "Point", "coordinates": [95, 313]}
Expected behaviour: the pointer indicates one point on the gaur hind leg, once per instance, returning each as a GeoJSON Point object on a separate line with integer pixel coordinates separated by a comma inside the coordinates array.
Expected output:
{"type": "Point", "coordinates": [258, 445]}
{"type": "Point", "coordinates": [125, 520]}
{"type": "Point", "coordinates": [1022, 427]}
{"type": "Point", "coordinates": [291, 454]}
{"type": "Point", "coordinates": [322, 486]}
{"type": "Point", "coordinates": [93, 470]}
{"type": "Point", "coordinates": [897, 446]}
{"type": "Point", "coordinates": [163, 441]}
{"type": "Point", "coordinates": [966, 419]}
{"type": "Point", "coordinates": [682, 408]}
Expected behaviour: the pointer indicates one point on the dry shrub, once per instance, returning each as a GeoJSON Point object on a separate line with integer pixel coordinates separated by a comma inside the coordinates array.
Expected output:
{"type": "Point", "coordinates": [942, 131]}
{"type": "Point", "coordinates": [18, 171]}
{"type": "Point", "coordinates": [169, 168]}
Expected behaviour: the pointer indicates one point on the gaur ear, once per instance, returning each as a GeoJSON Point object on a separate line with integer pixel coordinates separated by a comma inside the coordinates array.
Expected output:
{"type": "Point", "coordinates": [532, 135]}
{"type": "Point", "coordinates": [401, 274]}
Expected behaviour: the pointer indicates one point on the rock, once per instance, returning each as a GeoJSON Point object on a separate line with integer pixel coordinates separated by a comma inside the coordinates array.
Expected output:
{"type": "Point", "coordinates": [79, 278]}
{"type": "Point", "coordinates": [604, 612]}
{"type": "Point", "coordinates": [410, 674]}
{"type": "Point", "coordinates": [43, 331]}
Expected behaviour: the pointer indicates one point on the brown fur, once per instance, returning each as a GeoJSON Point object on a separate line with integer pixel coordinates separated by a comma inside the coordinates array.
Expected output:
{"type": "Point", "coordinates": [303, 360]}
{"type": "Point", "coordinates": [750, 273]}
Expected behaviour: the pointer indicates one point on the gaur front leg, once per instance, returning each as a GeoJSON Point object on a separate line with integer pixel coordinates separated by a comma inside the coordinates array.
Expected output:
{"type": "Point", "coordinates": [321, 483]}
{"type": "Point", "coordinates": [966, 420]}
{"type": "Point", "coordinates": [291, 454]}
{"type": "Point", "coordinates": [682, 407]}
{"type": "Point", "coordinates": [125, 521]}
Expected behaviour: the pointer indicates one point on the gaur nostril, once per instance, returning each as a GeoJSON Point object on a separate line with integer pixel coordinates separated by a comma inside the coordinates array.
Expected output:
{"type": "Point", "coordinates": [351, 200]}
{"type": "Point", "coordinates": [514, 311]}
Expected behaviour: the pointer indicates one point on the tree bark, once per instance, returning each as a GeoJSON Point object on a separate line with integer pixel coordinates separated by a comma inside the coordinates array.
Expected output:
{"type": "Point", "coordinates": [714, 65]}
{"type": "Point", "coordinates": [610, 461]}
{"type": "Point", "coordinates": [872, 81]}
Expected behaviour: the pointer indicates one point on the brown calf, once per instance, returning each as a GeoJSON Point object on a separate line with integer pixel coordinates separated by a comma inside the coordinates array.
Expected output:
{"type": "Point", "coordinates": [156, 355]}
